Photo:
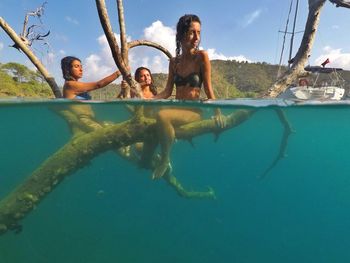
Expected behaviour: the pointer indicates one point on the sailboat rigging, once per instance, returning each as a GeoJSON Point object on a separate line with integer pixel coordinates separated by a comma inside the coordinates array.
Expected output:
{"type": "Point", "coordinates": [315, 87]}
{"type": "Point", "coordinates": [292, 33]}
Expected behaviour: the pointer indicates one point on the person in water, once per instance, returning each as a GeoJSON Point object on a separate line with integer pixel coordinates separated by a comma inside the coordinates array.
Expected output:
{"type": "Point", "coordinates": [141, 152]}
{"type": "Point", "coordinates": [189, 71]}
{"type": "Point", "coordinates": [72, 71]}
{"type": "Point", "coordinates": [144, 77]}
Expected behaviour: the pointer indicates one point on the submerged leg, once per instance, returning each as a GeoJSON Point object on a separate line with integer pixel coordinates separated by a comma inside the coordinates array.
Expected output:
{"type": "Point", "coordinates": [175, 183]}
{"type": "Point", "coordinates": [147, 157]}
{"type": "Point", "coordinates": [86, 116]}
{"type": "Point", "coordinates": [166, 120]}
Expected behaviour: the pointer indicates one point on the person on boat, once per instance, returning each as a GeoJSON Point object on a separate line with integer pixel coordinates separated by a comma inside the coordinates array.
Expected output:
{"type": "Point", "coordinates": [72, 71]}
{"type": "Point", "coordinates": [189, 71]}
{"type": "Point", "coordinates": [144, 77]}
{"type": "Point", "coordinates": [303, 83]}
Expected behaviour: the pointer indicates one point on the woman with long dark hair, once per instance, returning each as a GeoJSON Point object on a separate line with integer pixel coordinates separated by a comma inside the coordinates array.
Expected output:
{"type": "Point", "coordinates": [189, 71]}
{"type": "Point", "coordinates": [72, 71]}
{"type": "Point", "coordinates": [144, 77]}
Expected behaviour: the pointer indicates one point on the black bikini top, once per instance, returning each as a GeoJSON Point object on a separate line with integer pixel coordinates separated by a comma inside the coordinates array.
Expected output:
{"type": "Point", "coordinates": [194, 80]}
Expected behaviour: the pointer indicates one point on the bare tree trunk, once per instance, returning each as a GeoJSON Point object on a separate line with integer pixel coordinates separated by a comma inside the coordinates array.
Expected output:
{"type": "Point", "coordinates": [303, 53]}
{"type": "Point", "coordinates": [113, 44]}
{"type": "Point", "coordinates": [22, 46]}
{"type": "Point", "coordinates": [123, 39]}
{"type": "Point", "coordinates": [112, 41]}
{"type": "Point", "coordinates": [120, 55]}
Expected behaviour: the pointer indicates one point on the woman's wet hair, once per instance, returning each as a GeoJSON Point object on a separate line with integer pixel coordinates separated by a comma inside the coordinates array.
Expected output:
{"type": "Point", "coordinates": [182, 28]}
{"type": "Point", "coordinates": [153, 88]}
{"type": "Point", "coordinates": [66, 66]}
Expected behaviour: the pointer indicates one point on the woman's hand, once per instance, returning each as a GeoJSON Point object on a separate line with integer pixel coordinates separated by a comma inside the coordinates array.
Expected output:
{"type": "Point", "coordinates": [220, 119]}
{"type": "Point", "coordinates": [124, 90]}
{"type": "Point", "coordinates": [124, 85]}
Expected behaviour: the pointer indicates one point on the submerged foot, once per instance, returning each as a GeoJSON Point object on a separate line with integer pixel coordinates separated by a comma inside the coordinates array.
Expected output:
{"type": "Point", "coordinates": [169, 171]}
{"type": "Point", "coordinates": [161, 170]}
{"type": "Point", "coordinates": [125, 151]}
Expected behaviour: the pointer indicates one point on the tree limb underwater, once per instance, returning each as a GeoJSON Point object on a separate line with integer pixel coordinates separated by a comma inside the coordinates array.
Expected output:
{"type": "Point", "coordinates": [83, 147]}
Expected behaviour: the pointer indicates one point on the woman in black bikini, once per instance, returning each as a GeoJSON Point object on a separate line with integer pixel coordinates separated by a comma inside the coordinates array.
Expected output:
{"type": "Point", "coordinates": [189, 71]}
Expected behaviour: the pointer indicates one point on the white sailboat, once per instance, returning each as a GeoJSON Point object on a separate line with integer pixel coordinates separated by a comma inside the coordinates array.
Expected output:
{"type": "Point", "coordinates": [328, 87]}
{"type": "Point", "coordinates": [323, 83]}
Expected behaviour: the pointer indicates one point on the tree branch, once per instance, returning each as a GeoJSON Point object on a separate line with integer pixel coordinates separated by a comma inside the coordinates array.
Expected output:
{"type": "Point", "coordinates": [79, 152]}
{"type": "Point", "coordinates": [123, 40]}
{"type": "Point", "coordinates": [300, 59]}
{"type": "Point", "coordinates": [113, 44]}
{"type": "Point", "coordinates": [136, 43]}
{"type": "Point", "coordinates": [26, 50]}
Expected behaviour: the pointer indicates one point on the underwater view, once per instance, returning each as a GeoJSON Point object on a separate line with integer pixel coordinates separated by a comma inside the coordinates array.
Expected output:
{"type": "Point", "coordinates": [249, 193]}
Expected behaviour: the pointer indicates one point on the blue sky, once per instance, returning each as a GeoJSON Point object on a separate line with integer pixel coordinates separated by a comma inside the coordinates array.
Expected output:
{"type": "Point", "coordinates": [241, 30]}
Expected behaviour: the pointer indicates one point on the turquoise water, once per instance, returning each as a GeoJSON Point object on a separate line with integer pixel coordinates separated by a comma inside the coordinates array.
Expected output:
{"type": "Point", "coordinates": [111, 211]}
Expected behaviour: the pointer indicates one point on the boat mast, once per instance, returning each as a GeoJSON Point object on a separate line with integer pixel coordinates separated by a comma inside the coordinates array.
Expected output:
{"type": "Point", "coordinates": [293, 33]}
{"type": "Point", "coordinates": [284, 39]}
{"type": "Point", "coordinates": [285, 32]}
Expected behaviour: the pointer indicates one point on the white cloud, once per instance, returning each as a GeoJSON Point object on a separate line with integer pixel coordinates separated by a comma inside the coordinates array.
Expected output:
{"type": "Point", "coordinates": [100, 64]}
{"type": "Point", "coordinates": [59, 37]}
{"type": "Point", "coordinates": [162, 35]}
{"type": "Point", "coordinates": [250, 18]}
{"type": "Point", "coordinates": [97, 66]}
{"type": "Point", "coordinates": [1, 46]}
{"type": "Point", "coordinates": [71, 20]}
{"type": "Point", "coordinates": [214, 55]}
{"type": "Point", "coordinates": [337, 58]}
{"type": "Point", "coordinates": [51, 57]}
{"type": "Point", "coordinates": [154, 59]}
{"type": "Point", "coordinates": [335, 27]}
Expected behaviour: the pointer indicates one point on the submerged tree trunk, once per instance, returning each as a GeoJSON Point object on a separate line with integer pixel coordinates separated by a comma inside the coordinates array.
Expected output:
{"type": "Point", "coordinates": [26, 50]}
{"type": "Point", "coordinates": [87, 144]}
{"type": "Point", "coordinates": [80, 150]}
{"type": "Point", "coordinates": [300, 59]}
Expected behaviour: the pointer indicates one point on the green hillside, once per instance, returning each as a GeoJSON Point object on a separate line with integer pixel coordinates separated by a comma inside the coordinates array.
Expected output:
{"type": "Point", "coordinates": [230, 79]}
{"type": "Point", "coordinates": [233, 79]}
{"type": "Point", "coordinates": [17, 80]}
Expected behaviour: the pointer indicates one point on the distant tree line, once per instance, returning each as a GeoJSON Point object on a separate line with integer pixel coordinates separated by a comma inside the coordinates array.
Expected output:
{"type": "Point", "coordinates": [17, 80]}
{"type": "Point", "coordinates": [231, 79]}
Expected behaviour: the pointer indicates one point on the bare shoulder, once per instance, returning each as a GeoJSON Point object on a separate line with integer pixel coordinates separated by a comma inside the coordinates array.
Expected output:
{"type": "Point", "coordinates": [69, 84]}
{"type": "Point", "coordinates": [203, 54]}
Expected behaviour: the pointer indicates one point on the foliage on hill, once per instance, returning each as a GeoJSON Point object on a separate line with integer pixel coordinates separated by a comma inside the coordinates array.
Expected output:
{"type": "Point", "coordinates": [230, 79]}
{"type": "Point", "coordinates": [112, 90]}
{"type": "Point", "coordinates": [17, 80]}
{"type": "Point", "coordinates": [242, 79]}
